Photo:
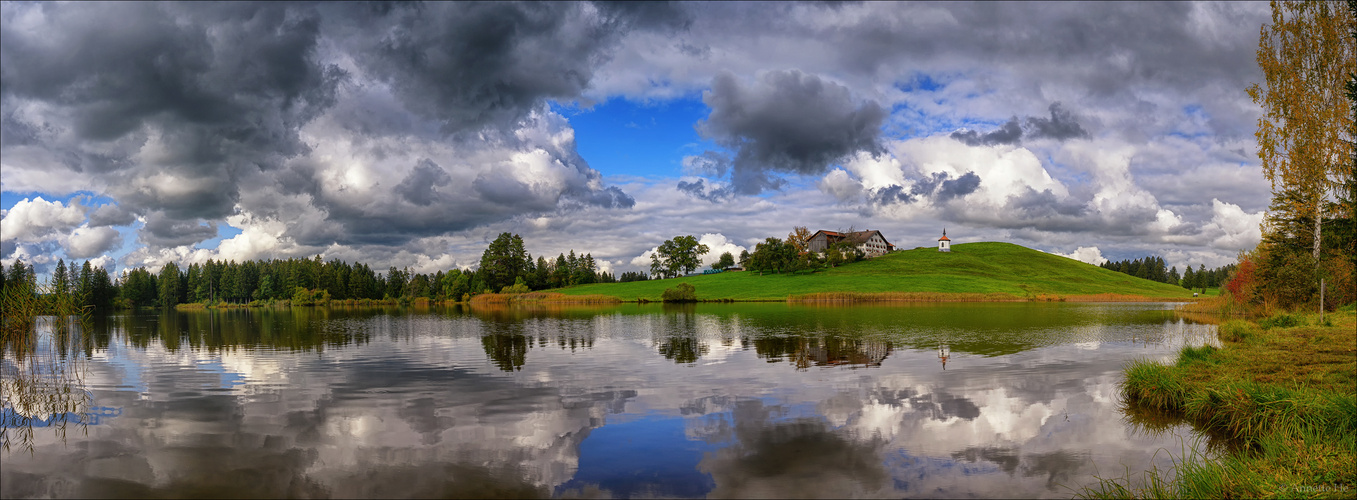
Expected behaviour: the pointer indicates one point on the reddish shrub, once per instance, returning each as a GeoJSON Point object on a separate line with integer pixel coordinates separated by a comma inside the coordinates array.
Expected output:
{"type": "Point", "coordinates": [1243, 285]}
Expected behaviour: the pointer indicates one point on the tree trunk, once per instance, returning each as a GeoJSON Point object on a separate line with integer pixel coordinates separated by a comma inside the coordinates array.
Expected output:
{"type": "Point", "coordinates": [1319, 216]}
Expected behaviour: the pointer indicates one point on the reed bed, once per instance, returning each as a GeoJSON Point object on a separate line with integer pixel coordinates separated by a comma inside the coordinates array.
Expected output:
{"type": "Point", "coordinates": [863, 297]}
{"type": "Point", "coordinates": [867, 297]}
{"type": "Point", "coordinates": [41, 384]}
{"type": "Point", "coordinates": [1283, 390]}
{"type": "Point", "coordinates": [541, 298]}
{"type": "Point", "coordinates": [1116, 297]}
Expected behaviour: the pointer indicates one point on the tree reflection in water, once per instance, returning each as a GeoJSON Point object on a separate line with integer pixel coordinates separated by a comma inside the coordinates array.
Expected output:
{"type": "Point", "coordinates": [42, 381]}
{"type": "Point", "coordinates": [807, 351]}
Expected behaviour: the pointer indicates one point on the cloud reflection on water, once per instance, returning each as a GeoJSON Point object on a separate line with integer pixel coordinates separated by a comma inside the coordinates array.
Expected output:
{"type": "Point", "coordinates": [425, 407]}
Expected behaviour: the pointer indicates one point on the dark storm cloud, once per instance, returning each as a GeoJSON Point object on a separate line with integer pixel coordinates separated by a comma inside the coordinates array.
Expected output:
{"type": "Point", "coordinates": [475, 65]}
{"type": "Point", "coordinates": [221, 88]}
{"type": "Point", "coordinates": [1045, 204]}
{"type": "Point", "coordinates": [1105, 47]}
{"type": "Point", "coordinates": [241, 74]}
{"type": "Point", "coordinates": [1009, 133]}
{"type": "Point", "coordinates": [1060, 126]}
{"type": "Point", "coordinates": [961, 186]}
{"type": "Point", "coordinates": [14, 132]}
{"type": "Point", "coordinates": [939, 187]}
{"type": "Point", "coordinates": [111, 214]}
{"type": "Point", "coordinates": [418, 187]}
{"type": "Point", "coordinates": [698, 190]}
{"type": "Point", "coordinates": [178, 107]}
{"type": "Point", "coordinates": [163, 231]}
{"type": "Point", "coordinates": [788, 122]}
{"type": "Point", "coordinates": [892, 194]}
{"type": "Point", "coordinates": [609, 197]}
{"type": "Point", "coordinates": [1045, 211]}
{"type": "Point", "coordinates": [505, 189]}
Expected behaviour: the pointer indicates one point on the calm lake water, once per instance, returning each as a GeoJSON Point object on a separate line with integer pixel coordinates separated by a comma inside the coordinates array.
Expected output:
{"type": "Point", "coordinates": [714, 400]}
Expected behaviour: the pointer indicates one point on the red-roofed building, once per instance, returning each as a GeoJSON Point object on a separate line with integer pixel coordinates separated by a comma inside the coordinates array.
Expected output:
{"type": "Point", "coordinates": [944, 243]}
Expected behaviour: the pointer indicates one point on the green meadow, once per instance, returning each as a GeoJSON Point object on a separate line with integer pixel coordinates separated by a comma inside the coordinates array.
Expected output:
{"type": "Point", "coordinates": [996, 270]}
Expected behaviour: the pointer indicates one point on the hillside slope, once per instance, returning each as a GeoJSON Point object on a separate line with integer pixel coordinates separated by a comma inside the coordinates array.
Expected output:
{"type": "Point", "coordinates": [969, 268]}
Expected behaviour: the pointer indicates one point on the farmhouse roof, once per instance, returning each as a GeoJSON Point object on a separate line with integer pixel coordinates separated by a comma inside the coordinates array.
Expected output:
{"type": "Point", "coordinates": [855, 237]}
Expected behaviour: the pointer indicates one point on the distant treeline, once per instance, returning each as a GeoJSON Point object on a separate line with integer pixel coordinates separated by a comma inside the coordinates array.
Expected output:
{"type": "Point", "coordinates": [505, 266]}
{"type": "Point", "coordinates": [88, 286]}
{"type": "Point", "coordinates": [1152, 268]}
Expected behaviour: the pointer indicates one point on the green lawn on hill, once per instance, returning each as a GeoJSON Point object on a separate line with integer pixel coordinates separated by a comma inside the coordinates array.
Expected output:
{"type": "Point", "coordinates": [969, 268]}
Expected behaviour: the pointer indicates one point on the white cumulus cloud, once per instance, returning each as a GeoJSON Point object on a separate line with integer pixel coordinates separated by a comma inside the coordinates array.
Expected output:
{"type": "Point", "coordinates": [1090, 255]}
{"type": "Point", "coordinates": [35, 219]}
{"type": "Point", "coordinates": [88, 242]}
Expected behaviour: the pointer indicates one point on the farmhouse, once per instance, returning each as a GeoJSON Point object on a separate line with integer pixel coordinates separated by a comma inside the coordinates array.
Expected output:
{"type": "Point", "coordinates": [871, 242]}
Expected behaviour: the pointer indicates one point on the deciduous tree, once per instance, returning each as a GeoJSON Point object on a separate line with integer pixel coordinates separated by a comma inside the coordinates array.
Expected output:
{"type": "Point", "coordinates": [725, 261]}
{"type": "Point", "coordinates": [677, 256]}
{"type": "Point", "coordinates": [799, 238]}
{"type": "Point", "coordinates": [1304, 138]}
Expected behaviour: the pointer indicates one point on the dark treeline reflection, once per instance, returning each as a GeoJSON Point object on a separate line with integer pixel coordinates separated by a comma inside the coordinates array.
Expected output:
{"type": "Point", "coordinates": [298, 328]}
{"type": "Point", "coordinates": [803, 336]}
{"type": "Point", "coordinates": [813, 335]}
{"type": "Point", "coordinates": [805, 351]}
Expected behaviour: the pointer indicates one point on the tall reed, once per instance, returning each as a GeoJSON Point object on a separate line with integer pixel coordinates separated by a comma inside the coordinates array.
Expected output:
{"type": "Point", "coordinates": [41, 381]}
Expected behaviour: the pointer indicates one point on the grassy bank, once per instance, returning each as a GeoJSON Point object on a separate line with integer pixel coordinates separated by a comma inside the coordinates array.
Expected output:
{"type": "Point", "coordinates": [995, 271]}
{"type": "Point", "coordinates": [1283, 390]}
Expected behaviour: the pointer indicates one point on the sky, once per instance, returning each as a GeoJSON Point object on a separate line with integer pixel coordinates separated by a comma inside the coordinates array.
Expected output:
{"type": "Point", "coordinates": [411, 135]}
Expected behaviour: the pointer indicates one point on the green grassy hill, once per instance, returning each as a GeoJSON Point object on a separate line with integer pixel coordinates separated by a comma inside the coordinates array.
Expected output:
{"type": "Point", "coordinates": [984, 268]}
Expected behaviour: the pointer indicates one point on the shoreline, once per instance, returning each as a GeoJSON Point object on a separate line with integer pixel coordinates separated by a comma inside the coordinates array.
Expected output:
{"type": "Point", "coordinates": [843, 298]}
{"type": "Point", "coordinates": [1282, 389]}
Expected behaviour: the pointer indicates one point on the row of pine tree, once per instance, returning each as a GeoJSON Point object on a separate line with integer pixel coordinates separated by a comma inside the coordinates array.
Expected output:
{"type": "Point", "coordinates": [504, 265]}
{"type": "Point", "coordinates": [1152, 268]}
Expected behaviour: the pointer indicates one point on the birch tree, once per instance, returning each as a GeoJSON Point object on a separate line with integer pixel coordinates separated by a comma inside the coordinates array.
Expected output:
{"type": "Point", "coordinates": [1306, 55]}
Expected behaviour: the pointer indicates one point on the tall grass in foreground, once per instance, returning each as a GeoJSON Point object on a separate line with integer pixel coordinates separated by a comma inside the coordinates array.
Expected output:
{"type": "Point", "coordinates": [1283, 391]}
{"type": "Point", "coordinates": [1199, 476]}
{"type": "Point", "coordinates": [41, 374]}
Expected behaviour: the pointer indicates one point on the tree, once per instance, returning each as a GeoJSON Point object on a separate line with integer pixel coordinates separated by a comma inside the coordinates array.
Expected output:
{"type": "Point", "coordinates": [560, 272]}
{"type": "Point", "coordinates": [678, 256]}
{"type": "Point", "coordinates": [683, 293]}
{"type": "Point", "coordinates": [395, 282]}
{"type": "Point", "coordinates": [84, 285]}
{"type": "Point", "coordinates": [848, 252]}
{"type": "Point", "coordinates": [771, 255]}
{"type": "Point", "coordinates": [799, 238]}
{"type": "Point", "coordinates": [725, 261]}
{"type": "Point", "coordinates": [541, 275]}
{"type": "Point", "coordinates": [169, 285]}
{"type": "Point", "coordinates": [104, 290]}
{"type": "Point", "coordinates": [139, 287]}
{"type": "Point", "coordinates": [1304, 137]}
{"type": "Point", "coordinates": [503, 261]}
{"type": "Point", "coordinates": [456, 284]}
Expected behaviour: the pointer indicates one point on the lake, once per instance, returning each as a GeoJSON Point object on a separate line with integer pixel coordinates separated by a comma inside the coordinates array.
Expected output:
{"type": "Point", "coordinates": [706, 400]}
